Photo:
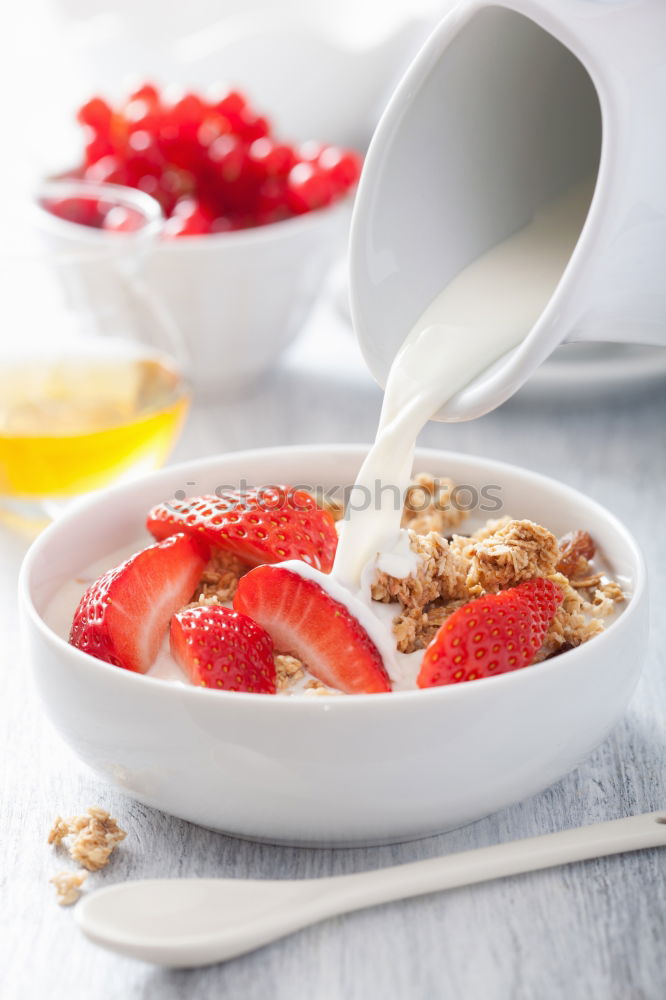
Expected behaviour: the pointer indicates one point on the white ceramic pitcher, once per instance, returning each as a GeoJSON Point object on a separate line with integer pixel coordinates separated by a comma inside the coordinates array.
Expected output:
{"type": "Point", "coordinates": [506, 105]}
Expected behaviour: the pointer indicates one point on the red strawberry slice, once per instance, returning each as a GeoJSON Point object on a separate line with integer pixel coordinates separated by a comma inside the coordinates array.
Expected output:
{"type": "Point", "coordinates": [491, 635]}
{"type": "Point", "coordinates": [122, 618]}
{"type": "Point", "coordinates": [266, 525]}
{"type": "Point", "coordinates": [304, 621]}
{"type": "Point", "coordinates": [220, 648]}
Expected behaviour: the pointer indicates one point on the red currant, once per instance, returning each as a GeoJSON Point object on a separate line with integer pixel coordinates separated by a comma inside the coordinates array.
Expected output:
{"type": "Point", "coordinates": [96, 113]}
{"type": "Point", "coordinates": [222, 224]}
{"type": "Point", "coordinates": [343, 167]}
{"type": "Point", "coordinates": [108, 170]}
{"type": "Point", "coordinates": [271, 160]}
{"type": "Point", "coordinates": [307, 188]}
{"type": "Point", "coordinates": [83, 211]}
{"type": "Point", "coordinates": [310, 151]}
{"type": "Point", "coordinates": [229, 154]}
{"type": "Point", "coordinates": [122, 220]}
{"type": "Point", "coordinates": [209, 161]}
{"type": "Point", "coordinates": [250, 126]}
{"type": "Point", "coordinates": [97, 148]}
{"type": "Point", "coordinates": [188, 220]}
{"type": "Point", "coordinates": [150, 184]}
{"type": "Point", "coordinates": [189, 110]}
{"type": "Point", "coordinates": [212, 127]}
{"type": "Point", "coordinates": [141, 114]}
{"type": "Point", "coordinates": [147, 92]}
{"type": "Point", "coordinates": [272, 201]}
{"type": "Point", "coordinates": [228, 103]}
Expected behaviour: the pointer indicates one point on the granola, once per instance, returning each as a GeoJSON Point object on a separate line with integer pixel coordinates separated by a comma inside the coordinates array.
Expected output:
{"type": "Point", "coordinates": [430, 506]}
{"type": "Point", "coordinates": [58, 831]}
{"type": "Point", "coordinates": [68, 886]}
{"type": "Point", "coordinates": [514, 552]}
{"type": "Point", "coordinates": [606, 596]}
{"type": "Point", "coordinates": [288, 669]}
{"type": "Point", "coordinates": [415, 628]}
{"type": "Point", "coordinates": [501, 554]}
{"type": "Point", "coordinates": [315, 687]}
{"type": "Point", "coordinates": [441, 574]}
{"type": "Point", "coordinates": [91, 838]}
{"type": "Point", "coordinates": [220, 578]}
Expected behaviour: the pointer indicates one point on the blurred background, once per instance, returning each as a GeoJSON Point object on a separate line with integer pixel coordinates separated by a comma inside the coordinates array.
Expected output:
{"type": "Point", "coordinates": [54, 52]}
{"type": "Point", "coordinates": [243, 317]}
{"type": "Point", "coordinates": [112, 334]}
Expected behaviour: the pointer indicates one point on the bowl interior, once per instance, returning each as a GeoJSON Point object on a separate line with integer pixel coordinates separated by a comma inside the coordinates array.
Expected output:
{"type": "Point", "coordinates": [101, 524]}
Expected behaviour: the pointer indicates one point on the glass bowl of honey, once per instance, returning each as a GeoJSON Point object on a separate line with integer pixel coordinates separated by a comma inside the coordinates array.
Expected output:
{"type": "Point", "coordinates": [92, 369]}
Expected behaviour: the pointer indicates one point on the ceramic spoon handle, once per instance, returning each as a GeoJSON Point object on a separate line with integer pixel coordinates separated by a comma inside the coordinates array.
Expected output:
{"type": "Point", "coordinates": [351, 892]}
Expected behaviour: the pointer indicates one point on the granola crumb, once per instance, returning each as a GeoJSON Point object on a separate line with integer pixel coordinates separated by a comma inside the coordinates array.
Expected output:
{"type": "Point", "coordinates": [288, 669]}
{"type": "Point", "coordinates": [315, 687]}
{"type": "Point", "coordinates": [58, 831]}
{"type": "Point", "coordinates": [415, 628]}
{"type": "Point", "coordinates": [68, 886]}
{"type": "Point", "coordinates": [430, 506]}
{"type": "Point", "coordinates": [93, 837]}
{"type": "Point", "coordinates": [440, 574]}
{"type": "Point", "coordinates": [514, 552]}
{"type": "Point", "coordinates": [586, 582]}
{"type": "Point", "coordinates": [605, 598]}
{"type": "Point", "coordinates": [219, 580]}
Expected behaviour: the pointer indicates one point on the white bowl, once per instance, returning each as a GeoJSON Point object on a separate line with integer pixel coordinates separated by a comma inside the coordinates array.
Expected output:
{"type": "Point", "coordinates": [224, 305]}
{"type": "Point", "coordinates": [331, 770]}
{"type": "Point", "coordinates": [239, 298]}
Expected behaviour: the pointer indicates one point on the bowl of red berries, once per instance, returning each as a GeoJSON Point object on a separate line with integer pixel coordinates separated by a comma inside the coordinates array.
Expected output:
{"type": "Point", "coordinates": [252, 223]}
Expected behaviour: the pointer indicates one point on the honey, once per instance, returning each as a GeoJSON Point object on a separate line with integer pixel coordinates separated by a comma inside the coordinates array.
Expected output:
{"type": "Point", "coordinates": [69, 426]}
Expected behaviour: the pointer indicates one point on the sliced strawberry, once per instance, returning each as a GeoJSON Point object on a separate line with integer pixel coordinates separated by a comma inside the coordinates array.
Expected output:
{"type": "Point", "coordinates": [221, 648]}
{"type": "Point", "coordinates": [304, 621]}
{"type": "Point", "coordinates": [266, 525]}
{"type": "Point", "coordinates": [122, 618]}
{"type": "Point", "coordinates": [491, 635]}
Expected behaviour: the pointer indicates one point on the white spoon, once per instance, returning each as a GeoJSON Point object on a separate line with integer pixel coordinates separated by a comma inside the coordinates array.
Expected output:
{"type": "Point", "coordinates": [185, 922]}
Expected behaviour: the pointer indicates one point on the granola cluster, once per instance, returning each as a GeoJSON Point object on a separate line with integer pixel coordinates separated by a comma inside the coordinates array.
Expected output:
{"type": "Point", "coordinates": [219, 580]}
{"type": "Point", "coordinates": [456, 569]}
{"type": "Point", "coordinates": [508, 554]}
{"type": "Point", "coordinates": [68, 886]}
{"type": "Point", "coordinates": [430, 506]}
{"type": "Point", "coordinates": [441, 574]}
{"type": "Point", "coordinates": [415, 628]}
{"type": "Point", "coordinates": [288, 671]}
{"type": "Point", "coordinates": [91, 838]}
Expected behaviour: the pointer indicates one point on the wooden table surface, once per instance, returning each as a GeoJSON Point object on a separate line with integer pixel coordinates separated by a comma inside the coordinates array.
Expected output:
{"type": "Point", "coordinates": [592, 931]}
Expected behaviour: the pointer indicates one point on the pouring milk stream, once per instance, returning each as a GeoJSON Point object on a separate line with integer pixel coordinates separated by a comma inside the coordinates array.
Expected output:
{"type": "Point", "coordinates": [486, 310]}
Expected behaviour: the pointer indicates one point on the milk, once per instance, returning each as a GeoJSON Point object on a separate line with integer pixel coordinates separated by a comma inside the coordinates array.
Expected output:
{"type": "Point", "coordinates": [486, 310]}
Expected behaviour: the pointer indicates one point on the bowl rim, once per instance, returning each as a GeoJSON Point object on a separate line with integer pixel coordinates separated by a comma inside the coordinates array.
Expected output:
{"type": "Point", "coordinates": [274, 230]}
{"type": "Point", "coordinates": [65, 187]}
{"type": "Point", "coordinates": [327, 703]}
